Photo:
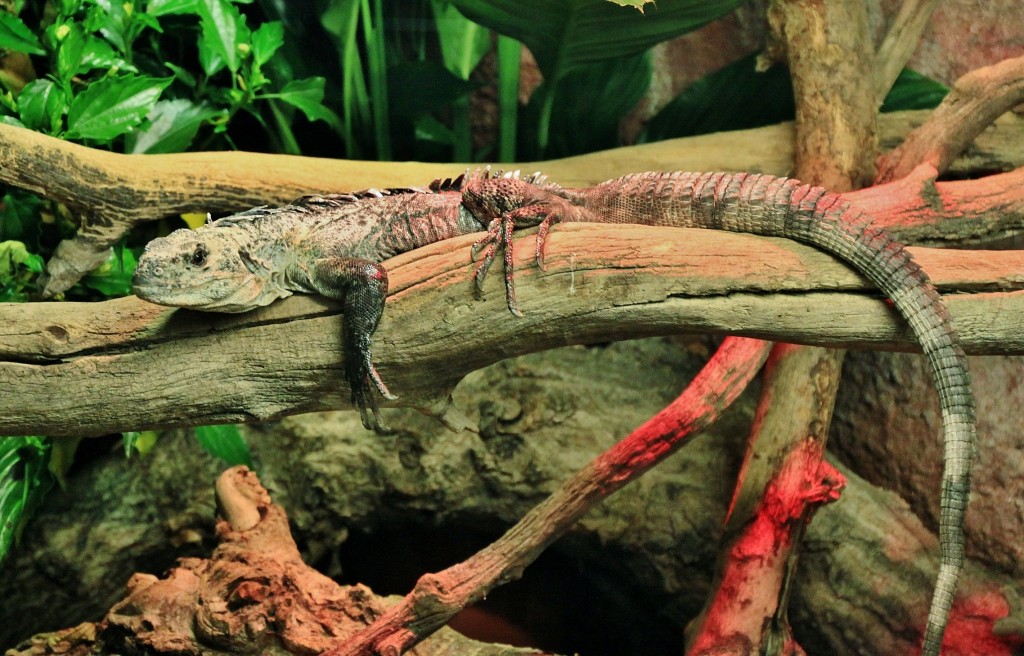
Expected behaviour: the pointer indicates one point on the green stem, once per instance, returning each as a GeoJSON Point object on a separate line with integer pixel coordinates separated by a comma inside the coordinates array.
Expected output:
{"type": "Point", "coordinates": [544, 120]}
{"type": "Point", "coordinates": [373, 29]}
{"type": "Point", "coordinates": [289, 144]}
{"type": "Point", "coordinates": [462, 145]}
{"type": "Point", "coordinates": [509, 52]}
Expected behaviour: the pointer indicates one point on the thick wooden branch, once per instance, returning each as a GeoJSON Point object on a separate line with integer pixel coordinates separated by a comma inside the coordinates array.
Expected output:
{"type": "Point", "coordinates": [974, 102]}
{"type": "Point", "coordinates": [61, 363]}
{"type": "Point", "coordinates": [113, 192]}
{"type": "Point", "coordinates": [987, 211]}
{"type": "Point", "coordinates": [899, 43]}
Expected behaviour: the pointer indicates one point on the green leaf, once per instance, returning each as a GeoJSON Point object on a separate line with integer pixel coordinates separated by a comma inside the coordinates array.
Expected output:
{"type": "Point", "coordinates": [914, 91]}
{"type": "Point", "coordinates": [225, 442]}
{"type": "Point", "coordinates": [113, 278]}
{"type": "Point", "coordinates": [70, 50]}
{"type": "Point", "coordinates": [18, 271]}
{"type": "Point", "coordinates": [140, 441]}
{"type": "Point", "coordinates": [173, 125]}
{"type": "Point", "coordinates": [463, 42]}
{"type": "Point", "coordinates": [611, 88]}
{"type": "Point", "coordinates": [167, 7]}
{"type": "Point", "coordinates": [307, 95]}
{"type": "Point", "coordinates": [429, 128]}
{"type": "Point", "coordinates": [41, 106]}
{"type": "Point", "coordinates": [266, 40]}
{"type": "Point", "coordinates": [20, 221]}
{"type": "Point", "coordinates": [635, 4]}
{"type": "Point", "coordinates": [15, 35]}
{"type": "Point", "coordinates": [113, 106]}
{"type": "Point", "coordinates": [222, 31]}
{"type": "Point", "coordinates": [735, 97]}
{"type": "Point", "coordinates": [62, 456]}
{"type": "Point", "coordinates": [181, 74]}
{"type": "Point", "coordinates": [565, 34]}
{"type": "Point", "coordinates": [100, 54]}
{"type": "Point", "coordinates": [24, 481]}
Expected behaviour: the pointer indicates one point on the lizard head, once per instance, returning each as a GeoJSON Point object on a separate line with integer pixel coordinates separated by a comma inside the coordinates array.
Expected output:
{"type": "Point", "coordinates": [205, 269]}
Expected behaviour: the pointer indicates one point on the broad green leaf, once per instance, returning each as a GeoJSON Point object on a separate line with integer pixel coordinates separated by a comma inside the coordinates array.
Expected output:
{"type": "Point", "coordinates": [100, 54]}
{"type": "Point", "coordinates": [113, 278]}
{"type": "Point", "coordinates": [70, 50]}
{"type": "Point", "coordinates": [611, 88]}
{"type": "Point", "coordinates": [166, 7]}
{"type": "Point", "coordinates": [15, 35]}
{"type": "Point", "coordinates": [113, 106]}
{"type": "Point", "coordinates": [463, 42]}
{"type": "Point", "coordinates": [223, 30]}
{"type": "Point", "coordinates": [266, 40]}
{"type": "Point", "coordinates": [24, 482]}
{"type": "Point", "coordinates": [735, 97]}
{"type": "Point", "coordinates": [307, 95]}
{"type": "Point", "coordinates": [14, 253]}
{"type": "Point", "coordinates": [41, 106]}
{"type": "Point", "coordinates": [565, 34]}
{"type": "Point", "coordinates": [173, 125]}
{"type": "Point", "coordinates": [914, 91]}
{"type": "Point", "coordinates": [225, 442]}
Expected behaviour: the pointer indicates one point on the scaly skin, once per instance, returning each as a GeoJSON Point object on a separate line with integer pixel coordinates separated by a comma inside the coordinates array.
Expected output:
{"type": "Point", "coordinates": [326, 245]}
{"type": "Point", "coordinates": [333, 246]}
{"type": "Point", "coordinates": [780, 207]}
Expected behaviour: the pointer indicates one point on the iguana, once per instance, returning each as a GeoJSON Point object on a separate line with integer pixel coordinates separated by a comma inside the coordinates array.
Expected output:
{"type": "Point", "coordinates": [333, 246]}
{"type": "Point", "coordinates": [778, 207]}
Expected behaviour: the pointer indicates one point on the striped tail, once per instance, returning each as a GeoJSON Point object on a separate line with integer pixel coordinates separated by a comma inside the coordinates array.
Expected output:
{"type": "Point", "coordinates": [768, 205]}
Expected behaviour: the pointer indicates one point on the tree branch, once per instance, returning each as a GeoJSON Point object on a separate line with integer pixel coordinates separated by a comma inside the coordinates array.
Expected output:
{"type": "Point", "coordinates": [112, 192]}
{"type": "Point", "coordinates": [976, 100]}
{"type": "Point", "coordinates": [899, 43]}
{"type": "Point", "coordinates": [62, 360]}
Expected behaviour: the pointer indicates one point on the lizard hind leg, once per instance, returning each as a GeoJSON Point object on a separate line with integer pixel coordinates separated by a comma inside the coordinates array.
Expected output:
{"type": "Point", "coordinates": [499, 235]}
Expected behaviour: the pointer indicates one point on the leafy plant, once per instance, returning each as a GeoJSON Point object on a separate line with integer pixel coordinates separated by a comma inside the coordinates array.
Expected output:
{"type": "Point", "coordinates": [24, 482]}
{"type": "Point", "coordinates": [226, 443]}
{"type": "Point", "coordinates": [568, 35]}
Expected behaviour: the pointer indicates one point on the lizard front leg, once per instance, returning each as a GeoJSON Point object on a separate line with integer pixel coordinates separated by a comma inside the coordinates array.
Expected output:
{"type": "Point", "coordinates": [361, 285]}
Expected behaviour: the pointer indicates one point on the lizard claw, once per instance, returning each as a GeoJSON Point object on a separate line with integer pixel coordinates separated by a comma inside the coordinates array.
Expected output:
{"type": "Point", "coordinates": [542, 236]}
{"type": "Point", "coordinates": [365, 381]}
{"type": "Point", "coordinates": [499, 234]}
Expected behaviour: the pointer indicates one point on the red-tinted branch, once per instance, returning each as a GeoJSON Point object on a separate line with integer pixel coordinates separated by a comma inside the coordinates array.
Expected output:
{"type": "Point", "coordinates": [976, 100]}
{"type": "Point", "coordinates": [438, 597]}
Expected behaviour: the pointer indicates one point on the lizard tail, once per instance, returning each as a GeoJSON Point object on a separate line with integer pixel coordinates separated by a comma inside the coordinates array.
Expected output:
{"type": "Point", "coordinates": [768, 205]}
{"type": "Point", "coordinates": [821, 218]}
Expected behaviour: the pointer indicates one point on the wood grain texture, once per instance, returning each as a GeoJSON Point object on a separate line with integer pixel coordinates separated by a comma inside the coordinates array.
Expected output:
{"type": "Point", "coordinates": [63, 365]}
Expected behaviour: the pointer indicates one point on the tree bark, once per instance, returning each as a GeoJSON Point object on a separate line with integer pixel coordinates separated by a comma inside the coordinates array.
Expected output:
{"type": "Point", "coordinates": [648, 550]}
{"type": "Point", "coordinates": [62, 359]}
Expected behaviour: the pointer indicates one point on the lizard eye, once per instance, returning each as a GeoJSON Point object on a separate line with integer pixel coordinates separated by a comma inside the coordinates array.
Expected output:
{"type": "Point", "coordinates": [198, 258]}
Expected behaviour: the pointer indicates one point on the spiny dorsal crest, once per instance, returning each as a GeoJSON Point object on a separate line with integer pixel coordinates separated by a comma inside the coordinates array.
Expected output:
{"type": "Point", "coordinates": [536, 178]}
